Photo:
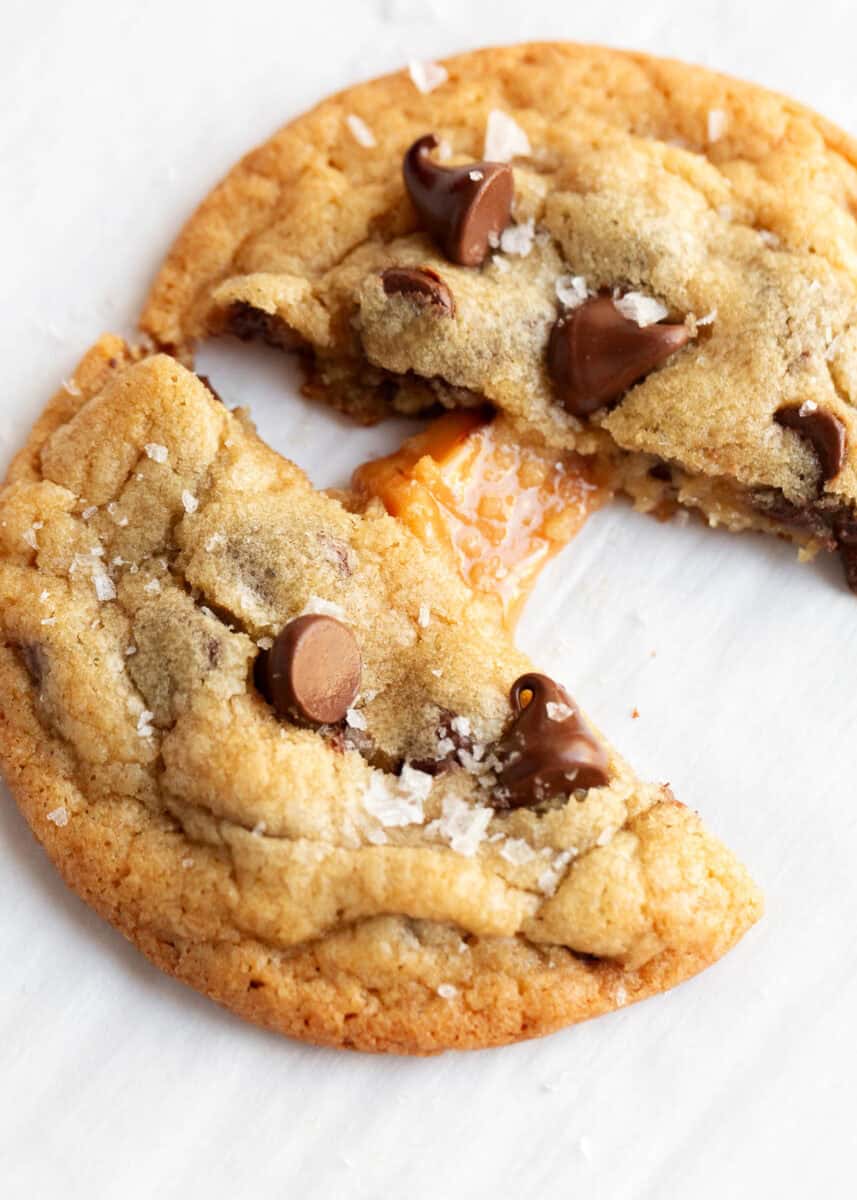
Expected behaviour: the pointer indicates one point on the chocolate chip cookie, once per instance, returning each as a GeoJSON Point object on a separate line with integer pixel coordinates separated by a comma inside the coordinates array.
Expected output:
{"type": "Point", "coordinates": [644, 262]}
{"type": "Point", "coordinates": [297, 760]}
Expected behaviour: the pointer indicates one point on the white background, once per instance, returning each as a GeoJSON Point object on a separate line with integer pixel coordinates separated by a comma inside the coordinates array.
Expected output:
{"type": "Point", "coordinates": [115, 118]}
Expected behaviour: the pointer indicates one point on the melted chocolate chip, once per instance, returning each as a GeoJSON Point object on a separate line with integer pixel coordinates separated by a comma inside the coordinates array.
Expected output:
{"type": "Point", "coordinates": [33, 658]}
{"type": "Point", "coordinates": [313, 670]}
{"type": "Point", "coordinates": [249, 324]}
{"type": "Point", "coordinates": [548, 750]}
{"type": "Point", "coordinates": [595, 354]}
{"type": "Point", "coordinates": [824, 431]}
{"type": "Point", "coordinates": [461, 207]}
{"type": "Point", "coordinates": [830, 522]}
{"type": "Point", "coordinates": [420, 284]}
{"type": "Point", "coordinates": [204, 379]}
{"type": "Point", "coordinates": [662, 472]}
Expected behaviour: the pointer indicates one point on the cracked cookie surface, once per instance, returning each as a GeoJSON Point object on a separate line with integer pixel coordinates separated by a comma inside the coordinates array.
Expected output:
{"type": "Point", "coordinates": [357, 884]}
{"type": "Point", "coordinates": [730, 209]}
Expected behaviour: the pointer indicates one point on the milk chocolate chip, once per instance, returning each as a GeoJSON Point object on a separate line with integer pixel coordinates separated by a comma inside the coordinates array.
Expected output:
{"type": "Point", "coordinates": [313, 670]}
{"type": "Point", "coordinates": [420, 284]}
{"type": "Point", "coordinates": [461, 207]}
{"type": "Point", "coordinates": [548, 750]}
{"type": "Point", "coordinates": [824, 431]}
{"type": "Point", "coordinates": [595, 354]}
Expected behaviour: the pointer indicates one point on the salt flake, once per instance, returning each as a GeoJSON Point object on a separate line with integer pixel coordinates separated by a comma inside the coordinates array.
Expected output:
{"type": "Point", "coordinates": [58, 817]}
{"type": "Point", "coordinates": [518, 239]}
{"type": "Point", "coordinates": [189, 502]}
{"type": "Point", "coordinates": [156, 452]}
{"type": "Point", "coordinates": [447, 991]}
{"type": "Point", "coordinates": [360, 131]}
{"type": "Point", "coordinates": [504, 138]}
{"type": "Point", "coordinates": [717, 122]}
{"type": "Point", "coordinates": [636, 306]}
{"type": "Point", "coordinates": [571, 290]}
{"type": "Point", "coordinates": [426, 76]}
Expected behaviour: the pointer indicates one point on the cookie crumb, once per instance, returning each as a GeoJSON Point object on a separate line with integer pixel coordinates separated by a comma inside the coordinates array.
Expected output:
{"type": "Point", "coordinates": [360, 131]}
{"type": "Point", "coordinates": [426, 76]}
{"type": "Point", "coordinates": [58, 817]}
{"type": "Point", "coordinates": [635, 712]}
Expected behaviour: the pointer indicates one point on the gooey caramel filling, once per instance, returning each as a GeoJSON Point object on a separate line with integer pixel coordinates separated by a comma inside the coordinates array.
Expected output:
{"type": "Point", "coordinates": [502, 509]}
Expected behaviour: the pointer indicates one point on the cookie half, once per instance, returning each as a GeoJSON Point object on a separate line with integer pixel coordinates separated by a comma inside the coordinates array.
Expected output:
{"type": "Point", "coordinates": [631, 258]}
{"type": "Point", "coordinates": [298, 762]}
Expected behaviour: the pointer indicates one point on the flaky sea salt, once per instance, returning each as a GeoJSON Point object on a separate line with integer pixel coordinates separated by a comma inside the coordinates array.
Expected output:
{"type": "Point", "coordinates": [621, 996]}
{"type": "Point", "coordinates": [518, 239]}
{"type": "Point", "coordinates": [636, 306]}
{"type": "Point", "coordinates": [708, 319]}
{"type": "Point", "coordinates": [189, 502]}
{"type": "Point", "coordinates": [29, 535]}
{"type": "Point", "coordinates": [265, 643]}
{"type": "Point", "coordinates": [423, 616]}
{"type": "Point", "coordinates": [89, 513]}
{"type": "Point", "coordinates": [156, 452]}
{"type": "Point", "coordinates": [360, 131]}
{"type": "Point", "coordinates": [58, 817]}
{"type": "Point", "coordinates": [187, 863]}
{"type": "Point", "coordinates": [605, 836]}
{"type": "Point", "coordinates": [325, 608]}
{"type": "Point", "coordinates": [153, 586]}
{"type": "Point", "coordinates": [104, 586]}
{"type": "Point", "coordinates": [549, 879]}
{"type": "Point", "coordinates": [144, 723]}
{"type": "Point", "coordinates": [355, 719]}
{"type": "Point", "coordinates": [768, 238]}
{"type": "Point", "coordinates": [72, 387]}
{"type": "Point", "coordinates": [461, 725]}
{"type": "Point", "coordinates": [556, 711]}
{"type": "Point", "coordinates": [444, 150]}
{"type": "Point", "coordinates": [504, 138]}
{"type": "Point", "coordinates": [502, 264]}
{"type": "Point", "coordinates": [396, 801]}
{"type": "Point", "coordinates": [717, 122]}
{"type": "Point", "coordinates": [517, 851]}
{"type": "Point", "coordinates": [447, 991]}
{"type": "Point", "coordinates": [259, 828]}
{"type": "Point", "coordinates": [571, 290]}
{"type": "Point", "coordinates": [216, 539]}
{"type": "Point", "coordinates": [426, 76]}
{"type": "Point", "coordinates": [463, 825]}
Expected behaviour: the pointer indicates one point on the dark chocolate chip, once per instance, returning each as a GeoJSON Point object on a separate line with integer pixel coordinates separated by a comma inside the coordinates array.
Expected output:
{"type": "Point", "coordinates": [548, 750]}
{"type": "Point", "coordinates": [33, 658]}
{"type": "Point", "coordinates": [420, 284]}
{"type": "Point", "coordinates": [461, 207]}
{"type": "Point", "coordinates": [662, 472]}
{"type": "Point", "coordinates": [249, 323]}
{"type": "Point", "coordinates": [595, 354]}
{"type": "Point", "coordinates": [313, 670]}
{"type": "Point", "coordinates": [822, 429]}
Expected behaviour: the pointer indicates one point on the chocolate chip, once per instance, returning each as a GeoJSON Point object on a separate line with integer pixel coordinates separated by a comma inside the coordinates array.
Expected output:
{"type": "Point", "coordinates": [461, 207]}
{"type": "Point", "coordinates": [420, 284]}
{"type": "Point", "coordinates": [33, 658]}
{"type": "Point", "coordinates": [249, 323]}
{"type": "Point", "coordinates": [548, 750]}
{"type": "Point", "coordinates": [824, 431]}
{"type": "Point", "coordinates": [313, 670]}
{"type": "Point", "coordinates": [595, 354]}
{"type": "Point", "coordinates": [662, 472]}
